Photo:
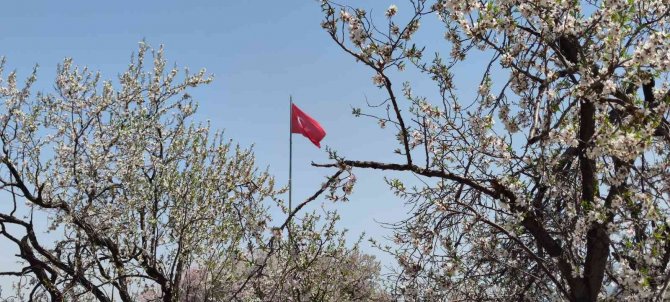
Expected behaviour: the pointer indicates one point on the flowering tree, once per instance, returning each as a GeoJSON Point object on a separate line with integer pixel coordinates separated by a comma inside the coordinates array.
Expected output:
{"type": "Point", "coordinates": [139, 199]}
{"type": "Point", "coordinates": [323, 272]}
{"type": "Point", "coordinates": [553, 181]}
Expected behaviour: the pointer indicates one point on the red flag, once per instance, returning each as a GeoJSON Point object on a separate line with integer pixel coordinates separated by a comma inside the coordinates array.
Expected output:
{"type": "Point", "coordinates": [306, 125]}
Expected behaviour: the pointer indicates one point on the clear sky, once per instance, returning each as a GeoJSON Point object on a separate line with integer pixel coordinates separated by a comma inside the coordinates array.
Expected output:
{"type": "Point", "coordinates": [259, 51]}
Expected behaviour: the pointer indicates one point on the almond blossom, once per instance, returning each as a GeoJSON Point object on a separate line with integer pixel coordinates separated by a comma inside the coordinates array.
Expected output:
{"type": "Point", "coordinates": [548, 179]}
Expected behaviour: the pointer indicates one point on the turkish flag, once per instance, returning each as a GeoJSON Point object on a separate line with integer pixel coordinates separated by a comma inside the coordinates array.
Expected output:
{"type": "Point", "coordinates": [306, 125]}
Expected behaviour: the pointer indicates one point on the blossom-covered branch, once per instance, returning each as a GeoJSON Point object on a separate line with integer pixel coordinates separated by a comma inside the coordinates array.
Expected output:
{"type": "Point", "coordinates": [550, 182]}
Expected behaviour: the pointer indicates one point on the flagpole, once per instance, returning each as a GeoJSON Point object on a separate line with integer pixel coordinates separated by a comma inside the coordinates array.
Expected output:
{"type": "Point", "coordinates": [290, 165]}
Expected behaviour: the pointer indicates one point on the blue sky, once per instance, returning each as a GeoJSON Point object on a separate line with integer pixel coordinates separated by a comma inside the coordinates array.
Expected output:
{"type": "Point", "coordinates": [259, 52]}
